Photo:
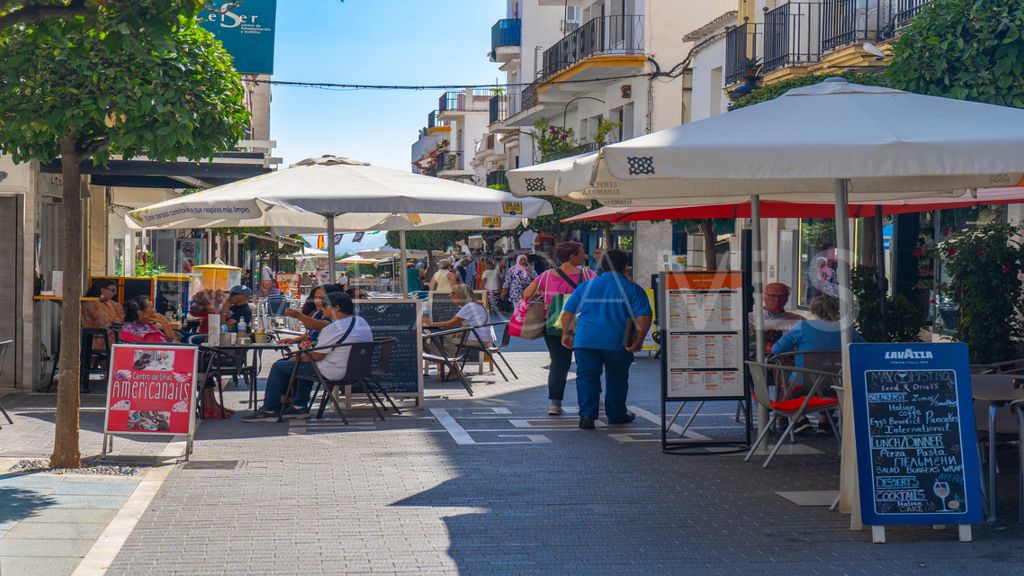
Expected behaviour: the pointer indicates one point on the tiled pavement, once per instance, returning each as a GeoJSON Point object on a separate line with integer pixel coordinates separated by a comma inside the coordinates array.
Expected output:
{"type": "Point", "coordinates": [489, 485]}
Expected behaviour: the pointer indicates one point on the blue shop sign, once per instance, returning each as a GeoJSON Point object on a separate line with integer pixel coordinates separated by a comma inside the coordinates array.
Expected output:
{"type": "Point", "coordinates": [247, 32]}
{"type": "Point", "coordinates": [917, 451]}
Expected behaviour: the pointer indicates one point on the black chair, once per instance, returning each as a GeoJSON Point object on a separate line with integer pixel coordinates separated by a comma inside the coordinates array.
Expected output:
{"type": "Point", "coordinates": [443, 360]}
{"type": "Point", "coordinates": [491, 349]}
{"type": "Point", "coordinates": [91, 360]}
{"type": "Point", "coordinates": [383, 370]}
{"type": "Point", "coordinates": [358, 371]}
{"type": "Point", "coordinates": [3, 352]}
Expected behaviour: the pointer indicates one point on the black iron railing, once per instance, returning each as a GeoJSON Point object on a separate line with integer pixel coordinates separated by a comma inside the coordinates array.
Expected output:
{"type": "Point", "coordinates": [904, 10]}
{"type": "Point", "coordinates": [497, 178]}
{"type": "Point", "coordinates": [623, 34]}
{"type": "Point", "coordinates": [434, 121]}
{"type": "Point", "coordinates": [575, 151]}
{"type": "Point", "coordinates": [504, 33]}
{"type": "Point", "coordinates": [742, 51]}
{"type": "Point", "coordinates": [498, 108]}
{"type": "Point", "coordinates": [461, 101]}
{"type": "Point", "coordinates": [449, 160]}
{"type": "Point", "coordinates": [792, 35]}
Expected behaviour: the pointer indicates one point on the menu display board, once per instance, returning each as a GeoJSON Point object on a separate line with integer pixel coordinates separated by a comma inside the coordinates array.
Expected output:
{"type": "Point", "coordinates": [151, 390]}
{"type": "Point", "coordinates": [917, 456]}
{"type": "Point", "coordinates": [401, 319]}
{"type": "Point", "coordinates": [703, 330]}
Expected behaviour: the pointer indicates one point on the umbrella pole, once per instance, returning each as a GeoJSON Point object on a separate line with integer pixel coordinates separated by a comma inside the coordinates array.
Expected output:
{"type": "Point", "coordinates": [331, 264]}
{"type": "Point", "coordinates": [403, 276]}
{"type": "Point", "coordinates": [848, 497]}
{"type": "Point", "coordinates": [758, 284]}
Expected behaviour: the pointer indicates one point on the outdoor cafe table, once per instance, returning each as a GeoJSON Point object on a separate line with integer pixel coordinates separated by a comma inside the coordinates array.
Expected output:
{"type": "Point", "coordinates": [996, 390]}
{"type": "Point", "coordinates": [240, 350]}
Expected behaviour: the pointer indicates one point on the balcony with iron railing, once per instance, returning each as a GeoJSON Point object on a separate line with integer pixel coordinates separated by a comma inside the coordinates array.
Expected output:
{"type": "Point", "coordinates": [845, 22]}
{"type": "Point", "coordinates": [800, 33]}
{"type": "Point", "coordinates": [621, 34]}
{"type": "Point", "coordinates": [742, 51]}
{"type": "Point", "coordinates": [583, 148]}
{"type": "Point", "coordinates": [497, 178]}
{"type": "Point", "coordinates": [435, 124]}
{"type": "Point", "coordinates": [463, 101]}
{"type": "Point", "coordinates": [792, 35]}
{"type": "Point", "coordinates": [450, 160]}
{"type": "Point", "coordinates": [506, 37]}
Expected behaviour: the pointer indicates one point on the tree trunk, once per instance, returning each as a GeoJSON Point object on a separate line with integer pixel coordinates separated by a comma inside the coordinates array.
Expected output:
{"type": "Point", "coordinates": [707, 228]}
{"type": "Point", "coordinates": [66, 452]}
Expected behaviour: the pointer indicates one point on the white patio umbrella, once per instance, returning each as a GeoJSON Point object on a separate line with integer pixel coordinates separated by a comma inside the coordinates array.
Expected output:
{"type": "Point", "coordinates": [849, 139]}
{"type": "Point", "coordinates": [336, 193]}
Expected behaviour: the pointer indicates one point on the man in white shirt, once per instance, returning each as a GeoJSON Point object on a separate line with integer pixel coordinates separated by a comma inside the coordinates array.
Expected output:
{"type": "Point", "coordinates": [333, 364]}
{"type": "Point", "coordinates": [776, 317]}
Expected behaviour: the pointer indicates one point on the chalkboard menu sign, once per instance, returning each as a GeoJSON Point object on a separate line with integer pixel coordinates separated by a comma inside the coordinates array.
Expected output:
{"type": "Point", "coordinates": [401, 319]}
{"type": "Point", "coordinates": [917, 456]}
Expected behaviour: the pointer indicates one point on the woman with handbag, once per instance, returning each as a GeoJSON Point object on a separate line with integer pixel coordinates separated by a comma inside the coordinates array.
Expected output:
{"type": "Point", "coordinates": [554, 286]}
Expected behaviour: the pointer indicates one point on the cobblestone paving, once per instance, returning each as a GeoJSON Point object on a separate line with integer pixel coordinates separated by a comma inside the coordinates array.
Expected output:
{"type": "Point", "coordinates": [490, 485]}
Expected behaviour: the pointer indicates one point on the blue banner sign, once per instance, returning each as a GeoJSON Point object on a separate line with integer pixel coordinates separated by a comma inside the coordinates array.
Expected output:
{"type": "Point", "coordinates": [917, 451]}
{"type": "Point", "coordinates": [246, 29]}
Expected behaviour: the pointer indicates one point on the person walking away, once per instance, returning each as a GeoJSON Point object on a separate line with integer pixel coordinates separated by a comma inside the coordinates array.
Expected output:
{"type": "Point", "coordinates": [460, 270]}
{"type": "Point", "coordinates": [566, 278]}
{"type": "Point", "coordinates": [345, 327]}
{"type": "Point", "coordinates": [412, 275]}
{"type": "Point", "coordinates": [444, 278]}
{"type": "Point", "coordinates": [612, 316]}
{"type": "Point", "coordinates": [492, 284]}
{"type": "Point", "coordinates": [517, 279]}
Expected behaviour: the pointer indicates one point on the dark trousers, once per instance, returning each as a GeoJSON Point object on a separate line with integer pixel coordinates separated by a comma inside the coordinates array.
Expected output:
{"type": "Point", "coordinates": [277, 384]}
{"type": "Point", "coordinates": [590, 362]}
{"type": "Point", "coordinates": [558, 372]}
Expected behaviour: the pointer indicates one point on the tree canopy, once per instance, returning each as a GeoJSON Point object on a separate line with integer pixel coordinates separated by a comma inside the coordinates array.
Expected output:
{"type": "Point", "coordinates": [184, 99]}
{"type": "Point", "coordinates": [125, 23]}
{"type": "Point", "coordinates": [963, 49]}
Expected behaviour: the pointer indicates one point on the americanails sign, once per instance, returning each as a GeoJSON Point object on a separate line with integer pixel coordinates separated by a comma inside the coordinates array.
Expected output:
{"type": "Point", "coordinates": [246, 29]}
{"type": "Point", "coordinates": [152, 390]}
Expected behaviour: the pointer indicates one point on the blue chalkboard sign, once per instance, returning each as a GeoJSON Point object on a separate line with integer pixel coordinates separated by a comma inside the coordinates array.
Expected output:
{"type": "Point", "coordinates": [917, 451]}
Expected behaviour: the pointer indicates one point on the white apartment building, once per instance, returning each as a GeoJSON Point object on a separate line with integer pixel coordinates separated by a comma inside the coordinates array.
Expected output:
{"type": "Point", "coordinates": [584, 63]}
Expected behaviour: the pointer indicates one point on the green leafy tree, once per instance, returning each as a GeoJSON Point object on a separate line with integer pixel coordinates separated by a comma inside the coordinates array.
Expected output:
{"type": "Point", "coordinates": [66, 91]}
{"type": "Point", "coordinates": [963, 49]}
{"type": "Point", "coordinates": [126, 20]}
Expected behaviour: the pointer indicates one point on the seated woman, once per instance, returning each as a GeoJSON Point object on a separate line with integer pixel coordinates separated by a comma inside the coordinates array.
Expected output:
{"type": "Point", "coordinates": [144, 326]}
{"type": "Point", "coordinates": [471, 313]}
{"type": "Point", "coordinates": [311, 316]}
{"type": "Point", "coordinates": [344, 327]}
{"type": "Point", "coordinates": [102, 313]}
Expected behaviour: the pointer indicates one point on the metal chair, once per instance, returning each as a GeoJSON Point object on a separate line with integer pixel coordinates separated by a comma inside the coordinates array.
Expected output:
{"type": "Point", "coordinates": [3, 352]}
{"type": "Point", "coordinates": [791, 408]}
{"type": "Point", "coordinates": [383, 368]}
{"type": "Point", "coordinates": [443, 360]}
{"type": "Point", "coordinates": [358, 370]}
{"type": "Point", "coordinates": [491, 349]}
{"type": "Point", "coordinates": [90, 355]}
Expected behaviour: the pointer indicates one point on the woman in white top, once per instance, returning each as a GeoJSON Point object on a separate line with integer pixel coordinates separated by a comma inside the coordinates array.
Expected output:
{"type": "Point", "coordinates": [444, 279]}
{"type": "Point", "coordinates": [492, 284]}
{"type": "Point", "coordinates": [471, 313]}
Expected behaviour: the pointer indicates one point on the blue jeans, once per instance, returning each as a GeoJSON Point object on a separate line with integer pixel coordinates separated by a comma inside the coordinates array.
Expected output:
{"type": "Point", "coordinates": [590, 362]}
{"type": "Point", "coordinates": [277, 384]}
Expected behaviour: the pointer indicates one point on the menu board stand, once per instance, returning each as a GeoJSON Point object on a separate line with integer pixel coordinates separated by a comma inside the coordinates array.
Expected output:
{"type": "Point", "coordinates": [703, 335]}
{"type": "Point", "coordinates": [151, 391]}
{"type": "Point", "coordinates": [917, 450]}
{"type": "Point", "coordinates": [402, 319]}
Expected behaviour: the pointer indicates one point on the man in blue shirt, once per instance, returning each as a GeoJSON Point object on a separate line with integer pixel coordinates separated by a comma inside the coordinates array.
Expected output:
{"type": "Point", "coordinates": [603, 308]}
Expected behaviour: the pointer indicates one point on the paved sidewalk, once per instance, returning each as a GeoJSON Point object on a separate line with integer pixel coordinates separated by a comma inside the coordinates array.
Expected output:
{"type": "Point", "coordinates": [490, 485]}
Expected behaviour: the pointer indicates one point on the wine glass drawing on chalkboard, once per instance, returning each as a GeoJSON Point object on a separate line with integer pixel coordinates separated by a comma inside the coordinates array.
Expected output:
{"type": "Point", "coordinates": [941, 490]}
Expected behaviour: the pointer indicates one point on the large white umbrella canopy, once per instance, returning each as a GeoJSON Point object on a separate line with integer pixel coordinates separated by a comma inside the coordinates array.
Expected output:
{"type": "Point", "coordinates": [853, 140]}
{"type": "Point", "coordinates": [335, 193]}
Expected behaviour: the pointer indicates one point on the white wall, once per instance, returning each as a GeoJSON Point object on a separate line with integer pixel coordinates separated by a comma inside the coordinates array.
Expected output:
{"type": "Point", "coordinates": [708, 81]}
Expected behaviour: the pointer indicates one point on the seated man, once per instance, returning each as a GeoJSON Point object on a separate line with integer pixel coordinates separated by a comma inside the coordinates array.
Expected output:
{"type": "Point", "coordinates": [267, 288]}
{"type": "Point", "coordinates": [344, 328]}
{"type": "Point", "coordinates": [776, 317]}
{"type": "Point", "coordinates": [236, 308]}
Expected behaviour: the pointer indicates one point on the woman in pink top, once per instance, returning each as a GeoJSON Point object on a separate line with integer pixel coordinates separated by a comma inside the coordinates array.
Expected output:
{"type": "Point", "coordinates": [140, 324]}
{"type": "Point", "coordinates": [570, 273]}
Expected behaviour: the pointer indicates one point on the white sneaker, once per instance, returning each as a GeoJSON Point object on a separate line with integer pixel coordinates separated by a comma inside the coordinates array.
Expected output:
{"type": "Point", "coordinates": [555, 410]}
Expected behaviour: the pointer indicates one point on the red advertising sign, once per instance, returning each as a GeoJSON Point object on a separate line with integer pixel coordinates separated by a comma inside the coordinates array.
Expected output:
{"type": "Point", "coordinates": [152, 389]}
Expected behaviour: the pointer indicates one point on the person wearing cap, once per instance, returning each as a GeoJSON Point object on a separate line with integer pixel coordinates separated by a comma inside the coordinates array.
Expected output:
{"type": "Point", "coordinates": [236, 308]}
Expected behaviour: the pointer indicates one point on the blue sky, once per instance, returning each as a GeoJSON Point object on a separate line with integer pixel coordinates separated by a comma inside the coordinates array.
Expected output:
{"type": "Point", "coordinates": [374, 42]}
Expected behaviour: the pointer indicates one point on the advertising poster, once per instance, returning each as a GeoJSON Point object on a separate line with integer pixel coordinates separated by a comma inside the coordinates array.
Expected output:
{"type": "Point", "coordinates": [917, 453]}
{"type": "Point", "coordinates": [151, 390]}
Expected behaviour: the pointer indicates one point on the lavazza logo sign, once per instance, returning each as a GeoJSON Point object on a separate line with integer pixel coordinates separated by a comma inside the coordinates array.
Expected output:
{"type": "Point", "coordinates": [908, 354]}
